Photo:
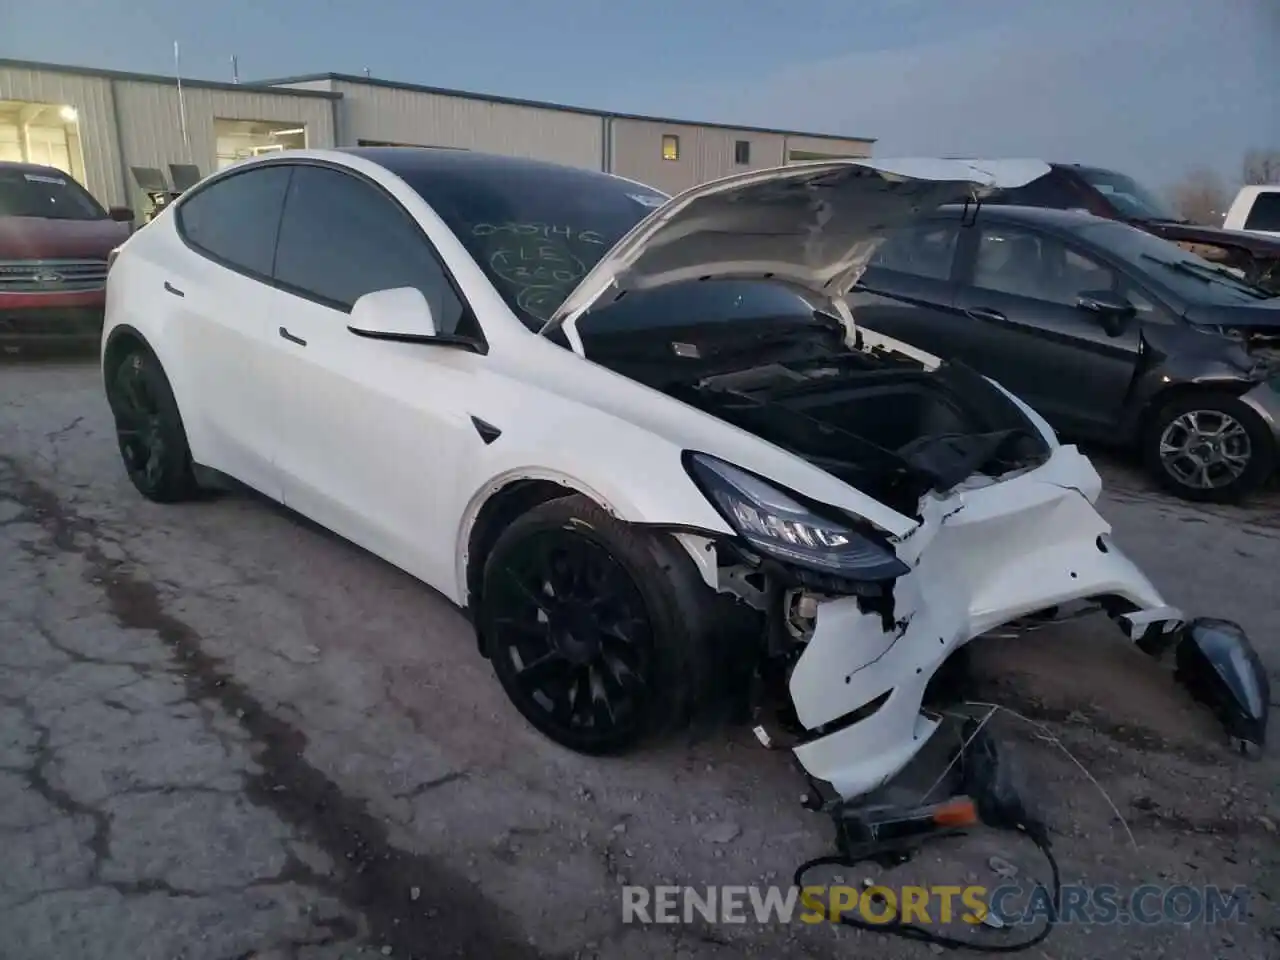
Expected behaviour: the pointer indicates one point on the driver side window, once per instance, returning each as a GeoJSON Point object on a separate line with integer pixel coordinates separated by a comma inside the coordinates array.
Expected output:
{"type": "Point", "coordinates": [341, 238]}
{"type": "Point", "coordinates": [1025, 264]}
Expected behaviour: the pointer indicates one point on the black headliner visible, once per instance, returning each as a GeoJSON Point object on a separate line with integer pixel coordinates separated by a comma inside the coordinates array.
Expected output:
{"type": "Point", "coordinates": [412, 162]}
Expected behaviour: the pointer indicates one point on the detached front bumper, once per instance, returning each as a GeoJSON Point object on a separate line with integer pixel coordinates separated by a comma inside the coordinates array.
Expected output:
{"type": "Point", "coordinates": [984, 558]}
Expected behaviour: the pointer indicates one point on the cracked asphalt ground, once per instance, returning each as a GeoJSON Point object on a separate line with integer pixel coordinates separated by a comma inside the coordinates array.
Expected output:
{"type": "Point", "coordinates": [225, 734]}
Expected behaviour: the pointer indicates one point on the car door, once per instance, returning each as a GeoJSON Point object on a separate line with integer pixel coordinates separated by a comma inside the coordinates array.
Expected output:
{"type": "Point", "coordinates": [1021, 295]}
{"type": "Point", "coordinates": [907, 292]}
{"type": "Point", "coordinates": [218, 298]}
{"type": "Point", "coordinates": [371, 429]}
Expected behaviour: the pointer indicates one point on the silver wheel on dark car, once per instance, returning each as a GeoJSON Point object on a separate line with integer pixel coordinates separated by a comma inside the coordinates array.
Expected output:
{"type": "Point", "coordinates": [1209, 446]}
{"type": "Point", "coordinates": [1205, 449]}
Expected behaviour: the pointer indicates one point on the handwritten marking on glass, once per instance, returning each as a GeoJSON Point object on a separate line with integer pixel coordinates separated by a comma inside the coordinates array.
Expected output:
{"type": "Point", "coordinates": [535, 259]}
{"type": "Point", "coordinates": [540, 302]}
{"type": "Point", "coordinates": [537, 229]}
{"type": "Point", "coordinates": [536, 262]}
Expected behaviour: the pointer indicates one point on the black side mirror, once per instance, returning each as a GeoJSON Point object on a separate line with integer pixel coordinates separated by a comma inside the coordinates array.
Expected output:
{"type": "Point", "coordinates": [120, 214]}
{"type": "Point", "coordinates": [1111, 309]}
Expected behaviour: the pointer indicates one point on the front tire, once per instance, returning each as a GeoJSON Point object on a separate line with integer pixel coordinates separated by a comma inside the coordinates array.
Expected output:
{"type": "Point", "coordinates": [149, 430]}
{"type": "Point", "coordinates": [1208, 447]}
{"type": "Point", "coordinates": [594, 629]}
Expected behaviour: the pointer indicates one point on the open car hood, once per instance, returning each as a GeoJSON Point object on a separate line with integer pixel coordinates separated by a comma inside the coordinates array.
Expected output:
{"type": "Point", "coordinates": [812, 226]}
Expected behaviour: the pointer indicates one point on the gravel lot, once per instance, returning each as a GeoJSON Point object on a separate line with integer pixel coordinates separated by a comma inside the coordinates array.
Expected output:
{"type": "Point", "coordinates": [226, 734]}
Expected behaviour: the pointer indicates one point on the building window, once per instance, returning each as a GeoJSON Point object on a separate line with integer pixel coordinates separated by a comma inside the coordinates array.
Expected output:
{"type": "Point", "coordinates": [742, 152]}
{"type": "Point", "coordinates": [237, 139]}
{"type": "Point", "coordinates": [670, 147]}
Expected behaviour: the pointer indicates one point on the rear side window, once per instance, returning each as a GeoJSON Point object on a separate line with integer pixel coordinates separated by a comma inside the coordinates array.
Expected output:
{"type": "Point", "coordinates": [342, 238]}
{"type": "Point", "coordinates": [1265, 212]}
{"type": "Point", "coordinates": [236, 220]}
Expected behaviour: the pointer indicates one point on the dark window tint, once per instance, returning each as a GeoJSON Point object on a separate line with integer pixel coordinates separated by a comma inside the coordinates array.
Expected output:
{"type": "Point", "coordinates": [534, 229]}
{"type": "Point", "coordinates": [920, 250]}
{"type": "Point", "coordinates": [1030, 265]}
{"type": "Point", "coordinates": [342, 238]}
{"type": "Point", "coordinates": [237, 219]}
{"type": "Point", "coordinates": [742, 152]}
{"type": "Point", "coordinates": [47, 194]}
{"type": "Point", "coordinates": [1127, 195]}
{"type": "Point", "coordinates": [695, 303]}
{"type": "Point", "coordinates": [1147, 307]}
{"type": "Point", "coordinates": [1265, 212]}
{"type": "Point", "coordinates": [1168, 265]}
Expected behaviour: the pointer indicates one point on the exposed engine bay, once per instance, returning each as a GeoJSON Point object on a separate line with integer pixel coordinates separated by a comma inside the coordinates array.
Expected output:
{"type": "Point", "coordinates": [894, 432]}
{"type": "Point", "coordinates": [877, 420]}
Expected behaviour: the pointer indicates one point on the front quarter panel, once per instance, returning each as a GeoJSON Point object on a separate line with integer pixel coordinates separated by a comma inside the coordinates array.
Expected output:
{"type": "Point", "coordinates": [1181, 356]}
{"type": "Point", "coordinates": [635, 474]}
{"type": "Point", "coordinates": [131, 309]}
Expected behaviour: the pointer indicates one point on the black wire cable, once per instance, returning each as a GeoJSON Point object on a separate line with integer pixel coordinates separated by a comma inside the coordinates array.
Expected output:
{"type": "Point", "coordinates": [910, 931]}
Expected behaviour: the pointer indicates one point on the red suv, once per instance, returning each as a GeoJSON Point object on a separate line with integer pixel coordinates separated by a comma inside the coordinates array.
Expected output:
{"type": "Point", "coordinates": [54, 243]}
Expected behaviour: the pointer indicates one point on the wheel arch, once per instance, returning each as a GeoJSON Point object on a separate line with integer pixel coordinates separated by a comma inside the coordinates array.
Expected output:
{"type": "Point", "coordinates": [118, 342]}
{"type": "Point", "coordinates": [1176, 391]}
{"type": "Point", "coordinates": [500, 502]}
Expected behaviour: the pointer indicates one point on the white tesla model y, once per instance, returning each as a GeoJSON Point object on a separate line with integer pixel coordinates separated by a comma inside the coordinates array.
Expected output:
{"type": "Point", "coordinates": [640, 439]}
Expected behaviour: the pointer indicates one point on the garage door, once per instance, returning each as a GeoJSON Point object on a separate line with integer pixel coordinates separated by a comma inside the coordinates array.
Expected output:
{"type": "Point", "coordinates": [47, 145]}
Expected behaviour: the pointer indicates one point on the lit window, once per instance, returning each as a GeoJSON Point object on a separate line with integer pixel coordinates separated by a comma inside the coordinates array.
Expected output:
{"type": "Point", "coordinates": [670, 147]}
{"type": "Point", "coordinates": [742, 152]}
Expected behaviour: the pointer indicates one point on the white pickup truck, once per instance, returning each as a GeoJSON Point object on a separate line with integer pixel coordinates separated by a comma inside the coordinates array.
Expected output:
{"type": "Point", "coordinates": [1255, 210]}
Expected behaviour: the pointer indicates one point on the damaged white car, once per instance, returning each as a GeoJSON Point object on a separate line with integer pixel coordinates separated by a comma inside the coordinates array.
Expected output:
{"type": "Point", "coordinates": [641, 440]}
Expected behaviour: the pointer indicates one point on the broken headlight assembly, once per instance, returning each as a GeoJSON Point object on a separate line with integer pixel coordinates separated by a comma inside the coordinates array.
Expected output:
{"type": "Point", "coordinates": [779, 526]}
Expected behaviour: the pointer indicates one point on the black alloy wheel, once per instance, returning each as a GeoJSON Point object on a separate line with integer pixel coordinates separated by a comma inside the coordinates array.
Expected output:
{"type": "Point", "coordinates": [583, 629]}
{"type": "Point", "coordinates": [149, 431]}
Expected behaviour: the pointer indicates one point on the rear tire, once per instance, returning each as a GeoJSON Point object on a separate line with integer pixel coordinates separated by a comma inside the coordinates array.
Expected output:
{"type": "Point", "coordinates": [1208, 447]}
{"type": "Point", "coordinates": [149, 430]}
{"type": "Point", "coordinates": [595, 631]}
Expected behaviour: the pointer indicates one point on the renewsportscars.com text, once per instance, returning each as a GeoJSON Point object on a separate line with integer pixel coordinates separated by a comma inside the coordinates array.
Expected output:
{"type": "Point", "coordinates": [1012, 905]}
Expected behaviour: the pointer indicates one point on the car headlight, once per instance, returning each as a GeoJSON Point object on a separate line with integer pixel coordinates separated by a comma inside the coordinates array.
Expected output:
{"type": "Point", "coordinates": [781, 527]}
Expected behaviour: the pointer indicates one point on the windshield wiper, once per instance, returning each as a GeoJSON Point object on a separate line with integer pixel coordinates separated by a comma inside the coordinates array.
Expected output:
{"type": "Point", "coordinates": [1210, 274]}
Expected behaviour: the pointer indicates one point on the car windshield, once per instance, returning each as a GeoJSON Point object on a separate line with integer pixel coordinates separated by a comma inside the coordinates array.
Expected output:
{"type": "Point", "coordinates": [1191, 278]}
{"type": "Point", "coordinates": [535, 230]}
{"type": "Point", "coordinates": [1127, 195]}
{"type": "Point", "coordinates": [47, 194]}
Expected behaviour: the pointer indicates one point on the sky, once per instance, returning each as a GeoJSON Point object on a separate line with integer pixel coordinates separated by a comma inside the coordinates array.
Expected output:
{"type": "Point", "coordinates": [1153, 87]}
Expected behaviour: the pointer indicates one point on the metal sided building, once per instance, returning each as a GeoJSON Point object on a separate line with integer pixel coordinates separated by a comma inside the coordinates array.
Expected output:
{"type": "Point", "coordinates": [671, 155]}
{"type": "Point", "coordinates": [98, 124]}
{"type": "Point", "coordinates": [101, 125]}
